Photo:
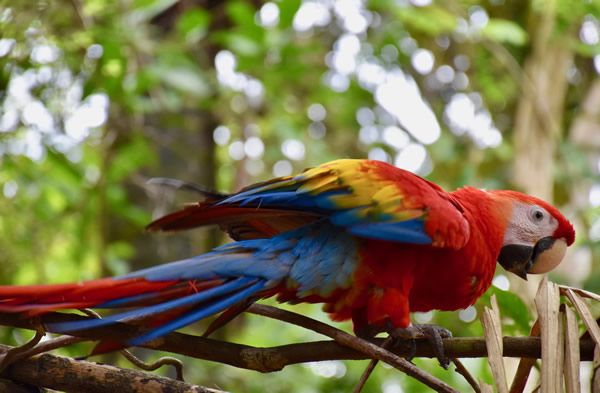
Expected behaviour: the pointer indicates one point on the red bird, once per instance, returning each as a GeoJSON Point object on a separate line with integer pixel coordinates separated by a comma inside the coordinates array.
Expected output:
{"type": "Point", "coordinates": [370, 241]}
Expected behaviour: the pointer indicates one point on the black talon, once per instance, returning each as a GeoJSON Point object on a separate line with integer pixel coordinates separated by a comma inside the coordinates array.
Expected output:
{"type": "Point", "coordinates": [433, 333]}
{"type": "Point", "coordinates": [412, 351]}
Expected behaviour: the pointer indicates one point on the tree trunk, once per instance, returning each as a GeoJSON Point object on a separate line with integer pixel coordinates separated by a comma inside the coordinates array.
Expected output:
{"type": "Point", "coordinates": [538, 120]}
{"type": "Point", "coordinates": [539, 112]}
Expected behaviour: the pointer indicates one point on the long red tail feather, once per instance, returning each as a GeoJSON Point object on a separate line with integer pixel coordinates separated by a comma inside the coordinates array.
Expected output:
{"type": "Point", "coordinates": [37, 299]}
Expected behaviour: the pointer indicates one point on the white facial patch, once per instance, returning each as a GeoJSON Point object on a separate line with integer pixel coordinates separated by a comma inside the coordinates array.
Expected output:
{"type": "Point", "coordinates": [526, 227]}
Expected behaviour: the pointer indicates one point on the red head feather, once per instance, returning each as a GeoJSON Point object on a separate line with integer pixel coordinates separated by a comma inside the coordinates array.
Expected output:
{"type": "Point", "coordinates": [565, 228]}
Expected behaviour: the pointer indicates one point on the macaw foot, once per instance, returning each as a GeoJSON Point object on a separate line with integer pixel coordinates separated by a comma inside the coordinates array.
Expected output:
{"type": "Point", "coordinates": [433, 333]}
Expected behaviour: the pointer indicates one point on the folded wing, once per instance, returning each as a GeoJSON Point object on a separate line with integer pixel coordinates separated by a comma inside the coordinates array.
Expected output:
{"type": "Point", "coordinates": [369, 199]}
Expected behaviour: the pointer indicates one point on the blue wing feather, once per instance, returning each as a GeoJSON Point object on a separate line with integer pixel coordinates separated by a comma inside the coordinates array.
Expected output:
{"type": "Point", "coordinates": [410, 231]}
{"type": "Point", "coordinates": [200, 313]}
{"type": "Point", "coordinates": [156, 309]}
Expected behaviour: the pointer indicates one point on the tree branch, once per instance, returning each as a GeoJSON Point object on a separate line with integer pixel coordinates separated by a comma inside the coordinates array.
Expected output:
{"type": "Point", "coordinates": [13, 387]}
{"type": "Point", "coordinates": [368, 348]}
{"type": "Point", "coordinates": [70, 375]}
{"type": "Point", "coordinates": [276, 358]}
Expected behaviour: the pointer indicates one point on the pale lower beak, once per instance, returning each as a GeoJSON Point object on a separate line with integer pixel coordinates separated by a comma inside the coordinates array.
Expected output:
{"type": "Point", "coordinates": [522, 259]}
{"type": "Point", "coordinates": [549, 258]}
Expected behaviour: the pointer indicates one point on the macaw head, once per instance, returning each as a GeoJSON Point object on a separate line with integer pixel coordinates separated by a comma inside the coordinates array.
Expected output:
{"type": "Point", "coordinates": [536, 238]}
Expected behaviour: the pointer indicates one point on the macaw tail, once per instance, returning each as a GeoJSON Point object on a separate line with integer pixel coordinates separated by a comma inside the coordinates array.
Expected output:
{"type": "Point", "coordinates": [33, 300]}
{"type": "Point", "coordinates": [165, 297]}
{"type": "Point", "coordinates": [168, 305]}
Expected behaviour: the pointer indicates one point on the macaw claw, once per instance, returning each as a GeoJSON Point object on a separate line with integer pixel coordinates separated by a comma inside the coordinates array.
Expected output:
{"type": "Point", "coordinates": [433, 333]}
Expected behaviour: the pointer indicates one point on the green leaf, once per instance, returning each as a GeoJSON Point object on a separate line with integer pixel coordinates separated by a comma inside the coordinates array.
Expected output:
{"type": "Point", "coordinates": [287, 11]}
{"type": "Point", "coordinates": [242, 14]}
{"type": "Point", "coordinates": [61, 168]}
{"type": "Point", "coordinates": [187, 80]}
{"type": "Point", "coordinates": [184, 78]}
{"type": "Point", "coordinates": [128, 158]}
{"type": "Point", "coordinates": [240, 44]}
{"type": "Point", "coordinates": [505, 31]}
{"type": "Point", "coordinates": [430, 20]}
{"type": "Point", "coordinates": [55, 200]}
{"type": "Point", "coordinates": [584, 49]}
{"type": "Point", "coordinates": [193, 24]}
{"type": "Point", "coordinates": [513, 307]}
{"type": "Point", "coordinates": [144, 10]}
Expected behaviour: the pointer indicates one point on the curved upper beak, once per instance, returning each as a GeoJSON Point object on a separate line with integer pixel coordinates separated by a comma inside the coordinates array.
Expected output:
{"type": "Point", "coordinates": [544, 256]}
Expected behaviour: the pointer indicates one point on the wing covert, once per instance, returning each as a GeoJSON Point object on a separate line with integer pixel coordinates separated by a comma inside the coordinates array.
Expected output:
{"type": "Point", "coordinates": [369, 199]}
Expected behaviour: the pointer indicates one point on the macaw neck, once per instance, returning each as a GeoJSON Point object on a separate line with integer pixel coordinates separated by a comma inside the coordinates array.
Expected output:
{"type": "Point", "coordinates": [488, 214]}
{"type": "Point", "coordinates": [465, 274]}
{"type": "Point", "coordinates": [488, 217]}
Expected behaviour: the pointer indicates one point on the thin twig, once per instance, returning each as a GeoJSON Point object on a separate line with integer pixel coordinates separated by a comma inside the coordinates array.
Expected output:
{"type": "Point", "coordinates": [356, 343]}
{"type": "Point", "coordinates": [15, 353]}
{"type": "Point", "coordinates": [165, 360]}
{"type": "Point", "coordinates": [127, 354]}
{"type": "Point", "coordinates": [49, 345]}
{"type": "Point", "coordinates": [370, 367]}
{"type": "Point", "coordinates": [525, 364]}
{"type": "Point", "coordinates": [462, 370]}
{"type": "Point", "coordinates": [26, 351]}
{"type": "Point", "coordinates": [365, 376]}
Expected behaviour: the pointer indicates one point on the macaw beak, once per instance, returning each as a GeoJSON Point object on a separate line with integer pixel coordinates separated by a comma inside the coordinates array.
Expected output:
{"type": "Point", "coordinates": [544, 256]}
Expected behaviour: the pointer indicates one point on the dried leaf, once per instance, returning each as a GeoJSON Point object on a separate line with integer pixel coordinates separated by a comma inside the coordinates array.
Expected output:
{"type": "Point", "coordinates": [486, 388]}
{"type": "Point", "coordinates": [560, 354]}
{"type": "Point", "coordinates": [493, 340]}
{"type": "Point", "coordinates": [571, 352]}
{"type": "Point", "coordinates": [547, 303]}
{"type": "Point", "coordinates": [580, 292]}
{"type": "Point", "coordinates": [596, 373]}
{"type": "Point", "coordinates": [586, 315]}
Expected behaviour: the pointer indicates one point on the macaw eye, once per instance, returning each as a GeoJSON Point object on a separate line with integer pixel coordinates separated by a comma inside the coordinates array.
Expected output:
{"type": "Point", "coordinates": [537, 215]}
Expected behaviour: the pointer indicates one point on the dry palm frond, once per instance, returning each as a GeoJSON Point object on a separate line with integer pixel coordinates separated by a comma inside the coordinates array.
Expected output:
{"type": "Point", "coordinates": [571, 352]}
{"type": "Point", "coordinates": [492, 328]}
{"type": "Point", "coordinates": [585, 314]}
{"type": "Point", "coordinates": [547, 302]}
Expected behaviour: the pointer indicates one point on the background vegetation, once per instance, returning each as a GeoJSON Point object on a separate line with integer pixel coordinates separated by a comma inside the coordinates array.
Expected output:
{"type": "Point", "coordinates": [98, 96]}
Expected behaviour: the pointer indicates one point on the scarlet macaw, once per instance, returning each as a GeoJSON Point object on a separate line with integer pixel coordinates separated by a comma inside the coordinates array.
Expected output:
{"type": "Point", "coordinates": [368, 240]}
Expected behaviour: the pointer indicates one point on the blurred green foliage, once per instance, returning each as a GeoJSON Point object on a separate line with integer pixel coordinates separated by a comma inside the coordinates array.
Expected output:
{"type": "Point", "coordinates": [98, 96]}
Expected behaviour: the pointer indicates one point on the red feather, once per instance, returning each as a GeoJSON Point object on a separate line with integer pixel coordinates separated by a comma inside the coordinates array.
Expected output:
{"type": "Point", "coordinates": [39, 299]}
{"type": "Point", "coordinates": [240, 222]}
